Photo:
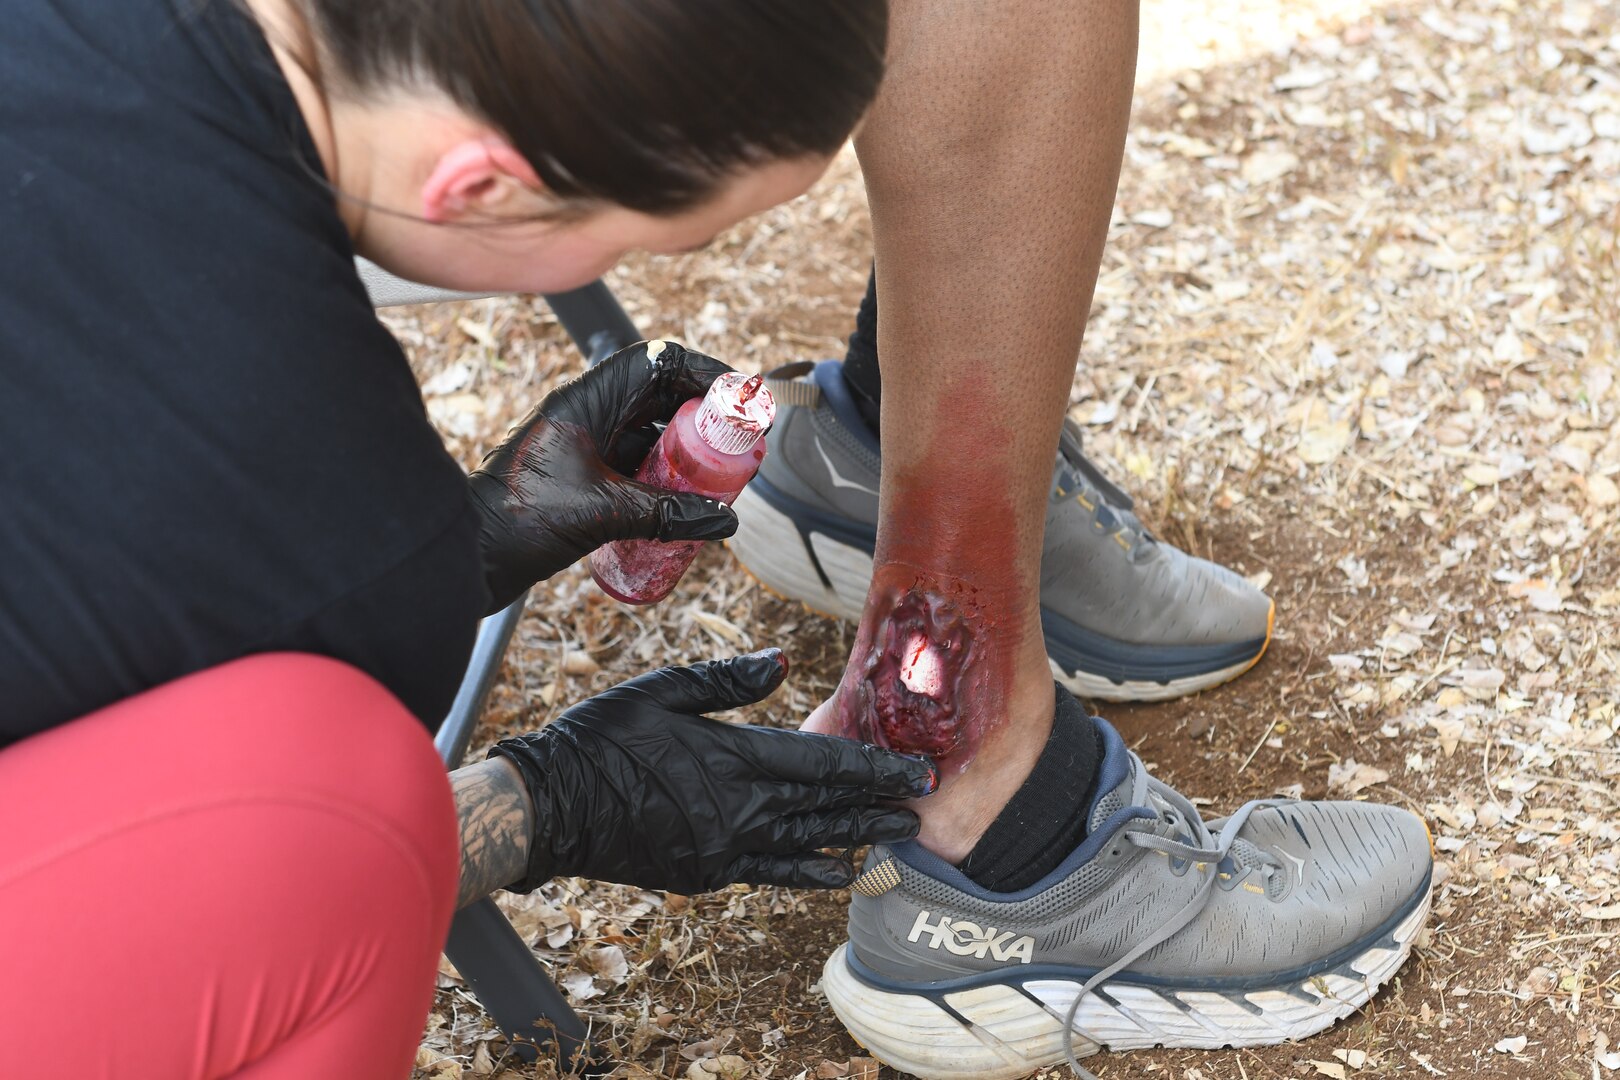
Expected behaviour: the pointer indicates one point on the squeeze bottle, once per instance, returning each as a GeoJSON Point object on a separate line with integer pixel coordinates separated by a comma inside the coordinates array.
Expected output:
{"type": "Point", "coordinates": [713, 446]}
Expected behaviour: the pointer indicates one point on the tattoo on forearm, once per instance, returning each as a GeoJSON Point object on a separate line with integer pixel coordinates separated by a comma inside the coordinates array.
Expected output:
{"type": "Point", "coordinates": [497, 822]}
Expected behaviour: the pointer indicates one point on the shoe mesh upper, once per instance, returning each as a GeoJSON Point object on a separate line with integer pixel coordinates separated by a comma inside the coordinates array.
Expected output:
{"type": "Point", "coordinates": [827, 427]}
{"type": "Point", "coordinates": [1105, 583]}
{"type": "Point", "coordinates": [1302, 881]}
{"type": "Point", "coordinates": [1060, 900]}
{"type": "Point", "coordinates": [1108, 805]}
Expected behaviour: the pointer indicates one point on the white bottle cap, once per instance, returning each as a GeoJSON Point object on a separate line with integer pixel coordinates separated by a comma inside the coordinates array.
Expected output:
{"type": "Point", "coordinates": [736, 412]}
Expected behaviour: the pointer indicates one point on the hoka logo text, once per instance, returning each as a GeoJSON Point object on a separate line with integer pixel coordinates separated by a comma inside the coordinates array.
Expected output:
{"type": "Point", "coordinates": [970, 939]}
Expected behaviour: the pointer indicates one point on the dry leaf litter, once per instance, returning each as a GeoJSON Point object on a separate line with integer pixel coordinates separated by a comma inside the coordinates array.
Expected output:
{"type": "Point", "coordinates": [1355, 335]}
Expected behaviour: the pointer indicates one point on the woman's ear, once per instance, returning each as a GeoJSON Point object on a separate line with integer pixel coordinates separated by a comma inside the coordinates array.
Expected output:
{"type": "Point", "coordinates": [476, 176]}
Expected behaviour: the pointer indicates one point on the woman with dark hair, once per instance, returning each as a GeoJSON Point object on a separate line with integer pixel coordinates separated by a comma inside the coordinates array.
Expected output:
{"type": "Point", "coordinates": [240, 576]}
{"type": "Point", "coordinates": [238, 571]}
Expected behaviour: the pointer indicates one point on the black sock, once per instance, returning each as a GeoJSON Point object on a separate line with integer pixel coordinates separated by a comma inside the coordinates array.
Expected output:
{"type": "Point", "coordinates": [1046, 818]}
{"type": "Point", "coordinates": [861, 358]}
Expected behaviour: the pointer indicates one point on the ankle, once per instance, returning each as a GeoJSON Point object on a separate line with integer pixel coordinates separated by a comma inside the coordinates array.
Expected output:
{"type": "Point", "coordinates": [955, 817]}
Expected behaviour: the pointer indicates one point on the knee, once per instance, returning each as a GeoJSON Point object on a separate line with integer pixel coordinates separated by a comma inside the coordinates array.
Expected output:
{"type": "Point", "coordinates": [308, 729]}
{"type": "Point", "coordinates": [292, 780]}
{"type": "Point", "coordinates": [330, 729]}
{"type": "Point", "coordinates": [310, 710]}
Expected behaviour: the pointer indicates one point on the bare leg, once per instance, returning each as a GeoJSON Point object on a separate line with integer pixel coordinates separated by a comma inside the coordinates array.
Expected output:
{"type": "Point", "coordinates": [991, 160]}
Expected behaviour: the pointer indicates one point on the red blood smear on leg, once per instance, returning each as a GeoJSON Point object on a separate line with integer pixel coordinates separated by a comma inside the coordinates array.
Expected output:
{"type": "Point", "coordinates": [950, 566]}
{"type": "Point", "coordinates": [924, 636]}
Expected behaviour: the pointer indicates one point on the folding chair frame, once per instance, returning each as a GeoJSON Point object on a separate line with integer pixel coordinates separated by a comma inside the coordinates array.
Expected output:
{"type": "Point", "coordinates": [493, 959]}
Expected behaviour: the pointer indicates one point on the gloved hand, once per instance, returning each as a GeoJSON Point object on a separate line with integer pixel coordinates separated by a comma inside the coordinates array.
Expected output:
{"type": "Point", "coordinates": [557, 488]}
{"type": "Point", "coordinates": [633, 786]}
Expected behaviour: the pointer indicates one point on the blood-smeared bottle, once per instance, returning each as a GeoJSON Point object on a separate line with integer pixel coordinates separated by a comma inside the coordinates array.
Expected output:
{"type": "Point", "coordinates": [713, 446]}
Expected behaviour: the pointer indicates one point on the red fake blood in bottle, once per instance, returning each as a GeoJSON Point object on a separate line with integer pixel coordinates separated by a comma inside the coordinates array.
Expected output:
{"type": "Point", "coordinates": [713, 446]}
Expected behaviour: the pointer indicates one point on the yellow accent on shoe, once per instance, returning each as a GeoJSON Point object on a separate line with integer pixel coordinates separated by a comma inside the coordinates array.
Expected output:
{"type": "Point", "coordinates": [877, 880]}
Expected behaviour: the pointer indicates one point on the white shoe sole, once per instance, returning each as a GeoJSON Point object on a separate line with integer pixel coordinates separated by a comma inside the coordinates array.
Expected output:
{"type": "Point", "coordinates": [770, 547]}
{"type": "Point", "coordinates": [1005, 1033]}
{"type": "Point", "coordinates": [1083, 684]}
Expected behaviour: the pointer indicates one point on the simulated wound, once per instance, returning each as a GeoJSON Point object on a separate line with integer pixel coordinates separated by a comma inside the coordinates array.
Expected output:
{"type": "Point", "coordinates": [911, 687]}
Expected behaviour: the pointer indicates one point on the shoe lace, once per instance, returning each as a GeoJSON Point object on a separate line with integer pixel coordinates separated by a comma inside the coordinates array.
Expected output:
{"type": "Point", "coordinates": [1189, 839]}
{"type": "Point", "coordinates": [1111, 508]}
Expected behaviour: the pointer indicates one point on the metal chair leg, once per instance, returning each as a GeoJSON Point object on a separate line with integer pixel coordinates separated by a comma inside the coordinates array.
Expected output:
{"type": "Point", "coordinates": [493, 959]}
{"type": "Point", "coordinates": [519, 996]}
{"type": "Point", "coordinates": [497, 964]}
{"type": "Point", "coordinates": [590, 314]}
{"type": "Point", "coordinates": [594, 319]}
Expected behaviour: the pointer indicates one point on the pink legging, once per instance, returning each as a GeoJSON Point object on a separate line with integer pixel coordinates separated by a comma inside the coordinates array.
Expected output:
{"type": "Point", "coordinates": [249, 872]}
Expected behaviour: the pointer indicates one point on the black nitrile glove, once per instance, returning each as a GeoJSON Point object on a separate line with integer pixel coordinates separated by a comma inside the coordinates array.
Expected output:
{"type": "Point", "coordinates": [557, 488]}
{"type": "Point", "coordinates": [634, 786]}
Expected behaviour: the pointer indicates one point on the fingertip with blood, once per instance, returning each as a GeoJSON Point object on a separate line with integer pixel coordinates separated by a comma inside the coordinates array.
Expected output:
{"type": "Point", "coordinates": [775, 659]}
{"type": "Point", "coordinates": [928, 783]}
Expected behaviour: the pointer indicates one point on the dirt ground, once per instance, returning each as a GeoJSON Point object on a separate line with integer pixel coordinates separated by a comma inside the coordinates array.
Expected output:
{"type": "Point", "coordinates": [1356, 337]}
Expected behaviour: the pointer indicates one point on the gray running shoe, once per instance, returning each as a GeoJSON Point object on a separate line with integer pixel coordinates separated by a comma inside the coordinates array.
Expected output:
{"type": "Point", "coordinates": [1127, 616]}
{"type": "Point", "coordinates": [1159, 930]}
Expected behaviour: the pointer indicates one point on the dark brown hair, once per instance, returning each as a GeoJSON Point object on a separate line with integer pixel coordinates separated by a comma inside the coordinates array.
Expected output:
{"type": "Point", "coordinates": [649, 104]}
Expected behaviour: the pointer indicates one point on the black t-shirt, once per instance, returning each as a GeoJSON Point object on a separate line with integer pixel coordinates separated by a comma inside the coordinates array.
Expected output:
{"type": "Point", "coordinates": [209, 447]}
